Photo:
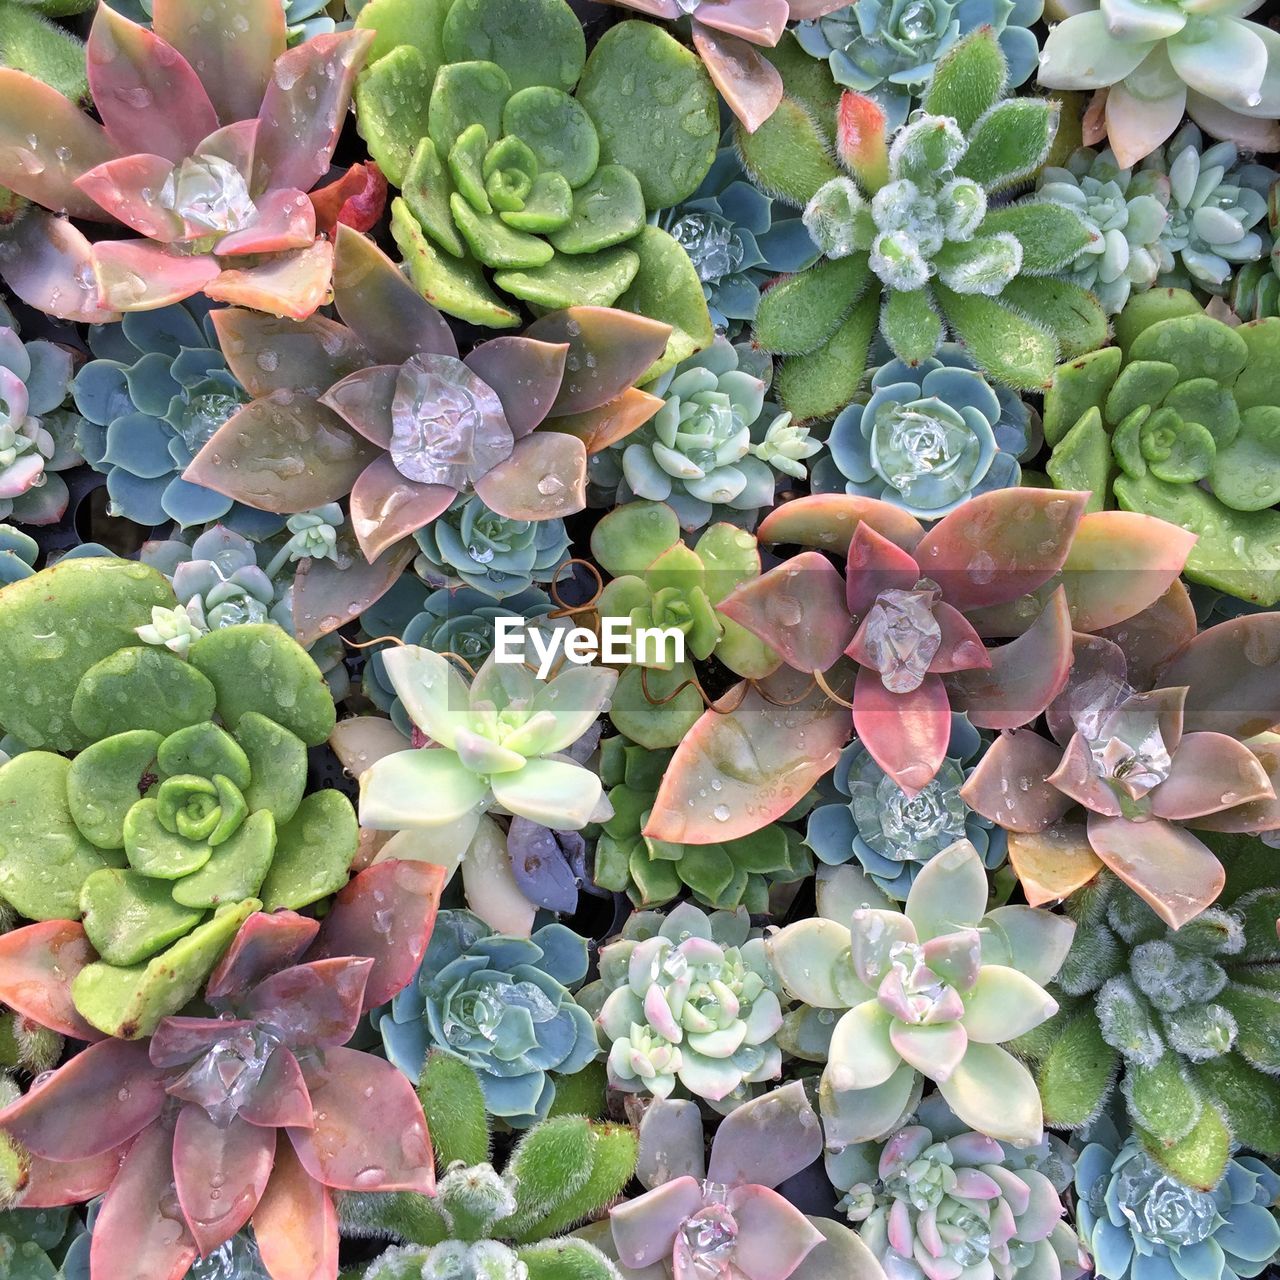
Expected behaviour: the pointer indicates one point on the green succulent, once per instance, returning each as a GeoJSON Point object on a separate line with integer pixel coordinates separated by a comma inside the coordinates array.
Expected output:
{"type": "Point", "coordinates": [33, 1242]}
{"type": "Point", "coordinates": [471, 110]}
{"type": "Point", "coordinates": [1181, 420]}
{"type": "Point", "coordinates": [660, 582]}
{"type": "Point", "coordinates": [738, 872]}
{"type": "Point", "coordinates": [916, 242]}
{"type": "Point", "coordinates": [183, 810]}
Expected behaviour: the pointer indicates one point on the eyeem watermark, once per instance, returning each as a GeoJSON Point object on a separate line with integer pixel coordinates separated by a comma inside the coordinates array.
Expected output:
{"type": "Point", "coordinates": [619, 641]}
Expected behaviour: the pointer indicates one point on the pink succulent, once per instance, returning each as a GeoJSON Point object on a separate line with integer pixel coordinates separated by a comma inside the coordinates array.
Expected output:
{"type": "Point", "coordinates": [724, 33]}
{"type": "Point", "coordinates": [212, 135]}
{"type": "Point", "coordinates": [258, 1113]}
{"type": "Point", "coordinates": [381, 407]}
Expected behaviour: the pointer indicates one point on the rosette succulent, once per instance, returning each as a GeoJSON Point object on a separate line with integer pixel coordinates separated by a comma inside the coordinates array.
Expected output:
{"type": "Point", "coordinates": [917, 243]}
{"type": "Point", "coordinates": [497, 743]}
{"type": "Point", "coordinates": [1164, 60]}
{"type": "Point", "coordinates": [1184, 411]}
{"type": "Point", "coordinates": [303, 18]}
{"type": "Point", "coordinates": [1136, 1218]}
{"type": "Point", "coordinates": [471, 545]}
{"type": "Point", "coordinates": [688, 999]}
{"type": "Point", "coordinates": [37, 435]}
{"type": "Point", "coordinates": [737, 238]}
{"type": "Point", "coordinates": [932, 992]}
{"type": "Point", "coordinates": [893, 835]}
{"type": "Point", "coordinates": [1185, 1019]}
{"type": "Point", "coordinates": [935, 1198]}
{"type": "Point", "coordinates": [250, 1106]}
{"type": "Point", "coordinates": [472, 111]}
{"type": "Point", "coordinates": [1130, 213]}
{"type": "Point", "coordinates": [932, 435]}
{"type": "Point", "coordinates": [380, 407]}
{"type": "Point", "coordinates": [887, 49]}
{"type": "Point", "coordinates": [652, 872]}
{"type": "Point", "coordinates": [210, 159]}
{"type": "Point", "coordinates": [501, 1004]}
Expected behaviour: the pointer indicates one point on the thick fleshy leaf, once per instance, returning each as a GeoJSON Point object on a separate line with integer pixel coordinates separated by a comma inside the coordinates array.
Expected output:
{"type": "Point", "coordinates": [281, 1099]}
{"type": "Point", "coordinates": [610, 423]}
{"type": "Point", "coordinates": [812, 959]}
{"type": "Point", "coordinates": [141, 275]}
{"type": "Point", "coordinates": [179, 1041]}
{"type": "Point", "coordinates": [1150, 638]}
{"type": "Point", "coordinates": [147, 93]}
{"type": "Point", "coordinates": [556, 793]}
{"type": "Point", "coordinates": [56, 1182]}
{"type": "Point", "coordinates": [1077, 778]}
{"type": "Point", "coordinates": [1003, 1004]}
{"type": "Point", "coordinates": [774, 1237]}
{"type": "Point", "coordinates": [748, 81]}
{"type": "Point", "coordinates": [269, 354]}
{"type": "Point", "coordinates": [328, 595]}
{"type": "Point", "coordinates": [672, 1144]}
{"type": "Point", "coordinates": [906, 733]}
{"type": "Point", "coordinates": [290, 284]}
{"type": "Point", "coordinates": [295, 1223]}
{"type": "Point", "coordinates": [391, 318]}
{"type": "Point", "coordinates": [934, 1050]}
{"type": "Point", "coordinates": [1210, 772]}
{"type": "Point", "coordinates": [545, 478]}
{"type": "Point", "coordinates": [860, 1115]}
{"type": "Point", "coordinates": [644, 1229]}
{"type": "Point", "coordinates": [950, 893]}
{"type": "Point", "coordinates": [795, 1139]}
{"type": "Point", "coordinates": [318, 1003]}
{"type": "Point", "coordinates": [1009, 784]}
{"type": "Point", "coordinates": [735, 773]}
{"type": "Point", "coordinates": [37, 966]}
{"type": "Point", "coordinates": [285, 221]}
{"type": "Point", "coordinates": [760, 21]}
{"type": "Point", "coordinates": [387, 912]}
{"type": "Point", "coordinates": [264, 944]}
{"type": "Point", "coordinates": [608, 351]}
{"type": "Point", "coordinates": [282, 455]}
{"type": "Point", "coordinates": [1025, 675]}
{"type": "Point", "coordinates": [235, 44]}
{"type": "Point", "coordinates": [358, 199]}
{"type": "Point", "coordinates": [94, 1102]}
{"type": "Point", "coordinates": [1000, 545]}
{"type": "Point", "coordinates": [370, 1133]}
{"type": "Point", "coordinates": [385, 507]}
{"type": "Point", "coordinates": [67, 143]}
{"type": "Point", "coordinates": [828, 522]}
{"type": "Point", "coordinates": [862, 1051]}
{"type": "Point", "coordinates": [220, 1173]}
{"type": "Point", "coordinates": [1053, 863]}
{"type": "Point", "coordinates": [995, 1094]}
{"type": "Point", "coordinates": [1176, 875]}
{"type": "Point", "coordinates": [48, 263]}
{"type": "Point", "coordinates": [1136, 126]}
{"type": "Point", "coordinates": [365, 401]}
{"type": "Point", "coordinates": [140, 1230]}
{"type": "Point", "coordinates": [129, 189]}
{"type": "Point", "coordinates": [525, 373]}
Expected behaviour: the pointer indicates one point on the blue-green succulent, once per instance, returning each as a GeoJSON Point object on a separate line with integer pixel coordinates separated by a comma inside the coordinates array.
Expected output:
{"type": "Point", "coordinates": [502, 1004]}
{"type": "Point", "coordinates": [472, 545]}
{"type": "Point", "coordinates": [929, 436]}
{"type": "Point", "coordinates": [887, 48]}
{"type": "Point", "coordinates": [894, 835]}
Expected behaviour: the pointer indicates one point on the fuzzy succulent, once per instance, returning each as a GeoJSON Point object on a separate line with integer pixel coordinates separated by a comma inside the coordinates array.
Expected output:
{"type": "Point", "coordinates": [1188, 409]}
{"type": "Point", "coordinates": [887, 49]}
{"type": "Point", "coordinates": [931, 992]}
{"type": "Point", "coordinates": [715, 449]}
{"type": "Point", "coordinates": [688, 999]}
{"type": "Point", "coordinates": [1138, 1219]}
{"type": "Point", "coordinates": [1164, 60]}
{"type": "Point", "coordinates": [1186, 1019]}
{"type": "Point", "coordinates": [210, 162]}
{"type": "Point", "coordinates": [936, 1197]}
{"type": "Point", "coordinates": [1131, 215]}
{"type": "Point", "coordinates": [499, 742]}
{"type": "Point", "coordinates": [893, 835]}
{"type": "Point", "coordinates": [930, 436]}
{"type": "Point", "coordinates": [503, 1005]}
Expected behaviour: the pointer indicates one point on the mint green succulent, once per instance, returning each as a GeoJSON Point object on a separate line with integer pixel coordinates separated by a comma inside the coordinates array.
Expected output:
{"type": "Point", "coordinates": [1129, 215]}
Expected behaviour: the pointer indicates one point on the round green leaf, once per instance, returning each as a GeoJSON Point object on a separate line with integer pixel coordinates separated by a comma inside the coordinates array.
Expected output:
{"type": "Point", "coordinates": [205, 750]}
{"type": "Point", "coordinates": [313, 853]}
{"type": "Point", "coordinates": [155, 851]}
{"type": "Point", "coordinates": [278, 763]}
{"type": "Point", "coordinates": [236, 869]}
{"type": "Point", "coordinates": [129, 917]}
{"type": "Point", "coordinates": [141, 688]}
{"type": "Point", "coordinates": [535, 42]}
{"type": "Point", "coordinates": [556, 129]}
{"type": "Point", "coordinates": [607, 210]}
{"type": "Point", "coordinates": [106, 780]}
{"type": "Point", "coordinates": [466, 94]}
{"type": "Point", "coordinates": [596, 280]}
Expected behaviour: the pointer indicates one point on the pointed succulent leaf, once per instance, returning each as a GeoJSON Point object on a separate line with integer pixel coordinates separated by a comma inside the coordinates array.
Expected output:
{"type": "Point", "coordinates": [295, 1223]}
{"type": "Point", "coordinates": [264, 944]}
{"type": "Point", "coordinates": [37, 966]}
{"type": "Point", "coordinates": [905, 733]}
{"type": "Point", "coordinates": [969, 80]}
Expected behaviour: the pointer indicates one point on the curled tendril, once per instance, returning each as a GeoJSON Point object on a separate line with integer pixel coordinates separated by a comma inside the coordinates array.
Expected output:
{"type": "Point", "coordinates": [564, 610]}
{"type": "Point", "coordinates": [747, 686]}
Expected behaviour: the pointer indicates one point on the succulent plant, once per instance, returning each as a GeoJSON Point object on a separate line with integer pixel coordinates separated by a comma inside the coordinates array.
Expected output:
{"type": "Point", "coordinates": [887, 49]}
{"type": "Point", "coordinates": [916, 244]}
{"type": "Point", "coordinates": [34, 1242]}
{"type": "Point", "coordinates": [660, 582]}
{"type": "Point", "coordinates": [652, 872]}
{"type": "Point", "coordinates": [1138, 1219]}
{"type": "Point", "coordinates": [1154, 65]}
{"type": "Point", "coordinates": [1255, 288]}
{"type": "Point", "coordinates": [688, 999]}
{"type": "Point", "coordinates": [737, 238]}
{"type": "Point", "coordinates": [498, 742]}
{"type": "Point", "coordinates": [472, 112]}
{"type": "Point", "coordinates": [381, 407]}
{"type": "Point", "coordinates": [1215, 203]}
{"type": "Point", "coordinates": [492, 1225]}
{"type": "Point", "coordinates": [472, 545]}
{"type": "Point", "coordinates": [1188, 409]}
{"type": "Point", "coordinates": [893, 835]}
{"type": "Point", "coordinates": [186, 1134]}
{"type": "Point", "coordinates": [715, 449]}
{"type": "Point", "coordinates": [932, 992]}
{"type": "Point", "coordinates": [1131, 214]}
{"type": "Point", "coordinates": [504, 1005]}
{"type": "Point", "coordinates": [211, 167]}
{"type": "Point", "coordinates": [930, 436]}
{"type": "Point", "coordinates": [720, 1218]}
{"type": "Point", "coordinates": [304, 19]}
{"type": "Point", "coordinates": [1185, 1019]}
{"type": "Point", "coordinates": [935, 1197]}
{"type": "Point", "coordinates": [37, 435]}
